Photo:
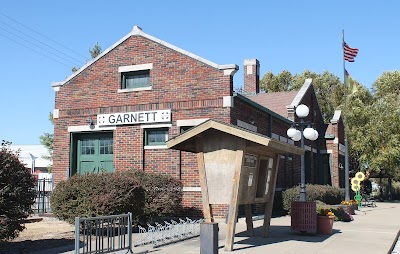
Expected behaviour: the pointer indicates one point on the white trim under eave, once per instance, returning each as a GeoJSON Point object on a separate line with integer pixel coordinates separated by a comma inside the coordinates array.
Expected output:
{"type": "Point", "coordinates": [86, 128]}
{"type": "Point", "coordinates": [148, 126]}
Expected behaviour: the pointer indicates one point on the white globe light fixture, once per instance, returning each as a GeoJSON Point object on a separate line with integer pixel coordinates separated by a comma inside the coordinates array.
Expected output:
{"type": "Point", "coordinates": [316, 134]}
{"type": "Point", "coordinates": [291, 132]}
{"type": "Point", "coordinates": [309, 133]}
{"type": "Point", "coordinates": [297, 136]}
{"type": "Point", "coordinates": [302, 111]}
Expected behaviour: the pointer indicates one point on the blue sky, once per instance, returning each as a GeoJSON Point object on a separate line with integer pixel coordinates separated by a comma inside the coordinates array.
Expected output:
{"type": "Point", "coordinates": [283, 35]}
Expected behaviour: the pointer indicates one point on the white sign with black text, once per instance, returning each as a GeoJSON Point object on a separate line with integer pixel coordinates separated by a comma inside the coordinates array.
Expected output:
{"type": "Point", "coordinates": [155, 116]}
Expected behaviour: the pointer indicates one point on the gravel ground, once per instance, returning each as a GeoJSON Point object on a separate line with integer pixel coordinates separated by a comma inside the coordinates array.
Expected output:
{"type": "Point", "coordinates": [40, 234]}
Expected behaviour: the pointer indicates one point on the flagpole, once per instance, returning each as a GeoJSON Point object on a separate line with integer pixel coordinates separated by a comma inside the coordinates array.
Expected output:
{"type": "Point", "coordinates": [346, 151]}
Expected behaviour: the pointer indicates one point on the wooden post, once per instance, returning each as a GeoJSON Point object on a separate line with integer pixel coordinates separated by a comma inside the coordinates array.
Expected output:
{"type": "Point", "coordinates": [203, 182]}
{"type": "Point", "coordinates": [270, 199]}
{"type": "Point", "coordinates": [233, 204]}
{"type": "Point", "coordinates": [249, 219]}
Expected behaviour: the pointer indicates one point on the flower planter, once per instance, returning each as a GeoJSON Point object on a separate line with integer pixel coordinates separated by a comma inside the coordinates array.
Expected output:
{"type": "Point", "coordinates": [347, 208]}
{"type": "Point", "coordinates": [325, 224]}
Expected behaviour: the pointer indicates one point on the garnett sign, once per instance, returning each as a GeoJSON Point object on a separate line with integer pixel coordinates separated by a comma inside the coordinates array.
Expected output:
{"type": "Point", "coordinates": [156, 116]}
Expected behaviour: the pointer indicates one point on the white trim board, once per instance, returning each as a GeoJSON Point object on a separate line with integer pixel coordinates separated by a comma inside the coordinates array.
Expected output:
{"type": "Point", "coordinates": [86, 128]}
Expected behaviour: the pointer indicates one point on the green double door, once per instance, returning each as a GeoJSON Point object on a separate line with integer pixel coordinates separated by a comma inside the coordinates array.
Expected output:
{"type": "Point", "coordinates": [94, 153]}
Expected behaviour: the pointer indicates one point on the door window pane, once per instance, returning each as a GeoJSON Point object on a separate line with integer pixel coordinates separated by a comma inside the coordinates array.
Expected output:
{"type": "Point", "coordinates": [87, 146]}
{"type": "Point", "coordinates": [106, 146]}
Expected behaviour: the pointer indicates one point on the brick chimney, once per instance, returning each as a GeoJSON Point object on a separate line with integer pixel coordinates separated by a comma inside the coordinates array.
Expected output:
{"type": "Point", "coordinates": [251, 76]}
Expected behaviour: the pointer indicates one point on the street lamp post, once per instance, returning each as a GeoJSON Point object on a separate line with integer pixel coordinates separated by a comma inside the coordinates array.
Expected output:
{"type": "Point", "coordinates": [299, 134]}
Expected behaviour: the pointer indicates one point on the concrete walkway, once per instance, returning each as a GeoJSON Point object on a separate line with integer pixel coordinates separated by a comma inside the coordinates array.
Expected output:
{"type": "Point", "coordinates": [373, 231]}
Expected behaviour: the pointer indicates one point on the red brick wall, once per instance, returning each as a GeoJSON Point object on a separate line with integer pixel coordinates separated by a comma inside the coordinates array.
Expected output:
{"type": "Point", "coordinates": [178, 82]}
{"type": "Point", "coordinates": [190, 88]}
{"type": "Point", "coordinates": [252, 81]}
{"type": "Point", "coordinates": [248, 113]}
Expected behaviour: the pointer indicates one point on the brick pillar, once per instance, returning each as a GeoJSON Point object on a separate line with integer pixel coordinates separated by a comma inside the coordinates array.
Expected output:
{"type": "Point", "coordinates": [251, 76]}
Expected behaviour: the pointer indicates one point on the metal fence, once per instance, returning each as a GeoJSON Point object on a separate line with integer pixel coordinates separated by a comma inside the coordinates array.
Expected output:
{"type": "Point", "coordinates": [103, 234]}
{"type": "Point", "coordinates": [44, 188]}
{"type": "Point", "coordinates": [161, 234]}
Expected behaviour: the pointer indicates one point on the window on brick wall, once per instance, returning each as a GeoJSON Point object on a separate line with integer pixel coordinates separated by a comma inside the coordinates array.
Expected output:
{"type": "Point", "coordinates": [185, 128]}
{"type": "Point", "coordinates": [156, 137]}
{"type": "Point", "coordinates": [135, 79]}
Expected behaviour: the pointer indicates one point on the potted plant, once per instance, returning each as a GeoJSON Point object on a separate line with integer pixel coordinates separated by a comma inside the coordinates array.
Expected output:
{"type": "Point", "coordinates": [325, 218]}
{"type": "Point", "coordinates": [352, 205]}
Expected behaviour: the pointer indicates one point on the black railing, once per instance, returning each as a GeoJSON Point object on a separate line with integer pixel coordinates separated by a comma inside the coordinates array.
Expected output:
{"type": "Point", "coordinates": [44, 188]}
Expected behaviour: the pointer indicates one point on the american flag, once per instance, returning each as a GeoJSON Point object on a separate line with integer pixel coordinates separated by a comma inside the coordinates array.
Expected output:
{"type": "Point", "coordinates": [349, 53]}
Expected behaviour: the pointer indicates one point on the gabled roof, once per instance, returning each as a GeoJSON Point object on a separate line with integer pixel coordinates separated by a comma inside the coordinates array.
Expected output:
{"type": "Point", "coordinates": [137, 31]}
{"type": "Point", "coordinates": [187, 142]}
{"type": "Point", "coordinates": [277, 102]}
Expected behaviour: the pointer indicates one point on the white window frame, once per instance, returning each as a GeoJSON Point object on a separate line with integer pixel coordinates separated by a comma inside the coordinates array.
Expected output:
{"type": "Point", "coordinates": [132, 68]}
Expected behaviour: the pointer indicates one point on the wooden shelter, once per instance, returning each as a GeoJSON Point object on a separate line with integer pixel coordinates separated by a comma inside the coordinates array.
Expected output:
{"type": "Point", "coordinates": [236, 167]}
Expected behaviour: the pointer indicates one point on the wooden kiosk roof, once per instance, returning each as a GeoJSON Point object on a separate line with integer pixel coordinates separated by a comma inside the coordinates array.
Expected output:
{"type": "Point", "coordinates": [255, 141]}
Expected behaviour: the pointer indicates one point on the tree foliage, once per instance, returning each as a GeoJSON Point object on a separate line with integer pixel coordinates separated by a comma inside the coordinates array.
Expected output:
{"type": "Point", "coordinates": [17, 193]}
{"type": "Point", "coordinates": [372, 125]}
{"type": "Point", "coordinates": [94, 52]}
{"type": "Point", "coordinates": [328, 87]}
{"type": "Point", "coordinates": [47, 140]}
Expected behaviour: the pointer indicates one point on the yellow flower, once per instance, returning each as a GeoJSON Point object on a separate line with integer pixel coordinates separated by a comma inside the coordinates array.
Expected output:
{"type": "Point", "coordinates": [330, 214]}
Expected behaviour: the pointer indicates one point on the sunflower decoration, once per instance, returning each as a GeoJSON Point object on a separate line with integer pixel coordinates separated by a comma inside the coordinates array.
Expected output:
{"type": "Point", "coordinates": [360, 176]}
{"type": "Point", "coordinates": [355, 184]}
{"type": "Point", "coordinates": [355, 188]}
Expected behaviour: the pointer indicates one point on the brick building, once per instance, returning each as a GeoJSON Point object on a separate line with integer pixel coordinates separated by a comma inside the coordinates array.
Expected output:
{"type": "Point", "coordinates": [117, 111]}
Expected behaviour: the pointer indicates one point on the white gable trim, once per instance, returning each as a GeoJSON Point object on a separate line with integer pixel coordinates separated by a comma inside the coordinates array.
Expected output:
{"type": "Point", "coordinates": [336, 116]}
{"type": "Point", "coordinates": [301, 93]}
{"type": "Point", "coordinates": [137, 31]}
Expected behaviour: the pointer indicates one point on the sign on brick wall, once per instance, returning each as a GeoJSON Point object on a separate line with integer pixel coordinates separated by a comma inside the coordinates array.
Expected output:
{"type": "Point", "coordinates": [155, 116]}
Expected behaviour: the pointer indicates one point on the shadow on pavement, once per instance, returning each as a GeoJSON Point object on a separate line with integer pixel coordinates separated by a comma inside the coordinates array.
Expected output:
{"type": "Point", "coordinates": [277, 234]}
{"type": "Point", "coordinates": [40, 246]}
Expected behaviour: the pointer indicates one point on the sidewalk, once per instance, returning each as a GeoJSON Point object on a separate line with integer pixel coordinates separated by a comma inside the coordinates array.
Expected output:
{"type": "Point", "coordinates": [373, 231]}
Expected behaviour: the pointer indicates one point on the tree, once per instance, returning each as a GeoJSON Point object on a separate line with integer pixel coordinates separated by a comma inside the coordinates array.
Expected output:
{"type": "Point", "coordinates": [94, 52]}
{"type": "Point", "coordinates": [387, 83]}
{"type": "Point", "coordinates": [328, 88]}
{"type": "Point", "coordinates": [372, 125]}
{"type": "Point", "coordinates": [17, 193]}
{"type": "Point", "coordinates": [280, 83]}
{"type": "Point", "coordinates": [357, 117]}
{"type": "Point", "coordinates": [47, 140]}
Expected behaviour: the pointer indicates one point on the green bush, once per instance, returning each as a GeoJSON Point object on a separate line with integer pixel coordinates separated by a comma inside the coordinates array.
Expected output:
{"type": "Point", "coordinates": [97, 194]}
{"type": "Point", "coordinates": [163, 194]}
{"type": "Point", "coordinates": [325, 193]}
{"type": "Point", "coordinates": [17, 193]}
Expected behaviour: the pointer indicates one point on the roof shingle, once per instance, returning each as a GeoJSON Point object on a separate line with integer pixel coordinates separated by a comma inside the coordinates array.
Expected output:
{"type": "Point", "coordinates": [276, 102]}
